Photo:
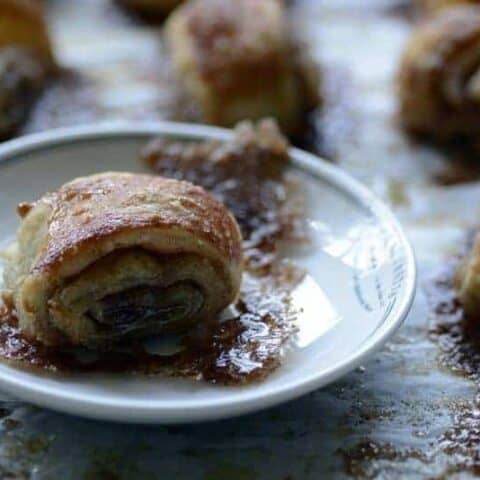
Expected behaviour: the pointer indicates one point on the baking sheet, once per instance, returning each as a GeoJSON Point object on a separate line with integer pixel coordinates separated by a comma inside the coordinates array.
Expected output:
{"type": "Point", "coordinates": [402, 414]}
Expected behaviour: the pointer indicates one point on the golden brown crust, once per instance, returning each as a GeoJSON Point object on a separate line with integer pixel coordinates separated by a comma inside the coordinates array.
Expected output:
{"type": "Point", "coordinates": [237, 59]}
{"type": "Point", "coordinates": [116, 255]}
{"type": "Point", "coordinates": [439, 86]}
{"type": "Point", "coordinates": [92, 209]}
{"type": "Point", "coordinates": [227, 37]}
{"type": "Point", "coordinates": [22, 24]}
{"type": "Point", "coordinates": [435, 6]}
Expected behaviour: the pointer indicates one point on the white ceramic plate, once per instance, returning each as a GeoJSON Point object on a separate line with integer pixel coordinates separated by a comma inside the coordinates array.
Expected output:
{"type": "Point", "coordinates": [360, 283]}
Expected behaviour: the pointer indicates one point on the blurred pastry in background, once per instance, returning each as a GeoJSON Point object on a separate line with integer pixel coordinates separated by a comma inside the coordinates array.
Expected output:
{"type": "Point", "coordinates": [439, 77]}
{"type": "Point", "coordinates": [150, 9]}
{"type": "Point", "coordinates": [434, 6]}
{"type": "Point", "coordinates": [467, 280]}
{"type": "Point", "coordinates": [22, 24]}
{"type": "Point", "coordinates": [26, 60]}
{"type": "Point", "coordinates": [238, 59]}
{"type": "Point", "coordinates": [21, 80]}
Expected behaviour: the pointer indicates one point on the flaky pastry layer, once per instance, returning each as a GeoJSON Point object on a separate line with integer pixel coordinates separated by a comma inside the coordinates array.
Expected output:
{"type": "Point", "coordinates": [127, 235]}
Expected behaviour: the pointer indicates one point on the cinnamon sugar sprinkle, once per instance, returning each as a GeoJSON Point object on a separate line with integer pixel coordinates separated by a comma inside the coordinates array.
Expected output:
{"type": "Point", "coordinates": [458, 338]}
{"type": "Point", "coordinates": [249, 175]}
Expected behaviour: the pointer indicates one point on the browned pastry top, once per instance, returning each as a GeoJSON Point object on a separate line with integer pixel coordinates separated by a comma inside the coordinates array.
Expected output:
{"type": "Point", "coordinates": [443, 39]}
{"type": "Point", "coordinates": [433, 6]}
{"type": "Point", "coordinates": [235, 39]}
{"type": "Point", "coordinates": [439, 83]}
{"type": "Point", "coordinates": [21, 8]}
{"type": "Point", "coordinates": [451, 30]}
{"type": "Point", "coordinates": [96, 208]}
{"type": "Point", "coordinates": [22, 23]}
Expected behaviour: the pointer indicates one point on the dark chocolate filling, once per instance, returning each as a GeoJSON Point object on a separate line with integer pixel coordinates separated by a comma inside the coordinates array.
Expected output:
{"type": "Point", "coordinates": [142, 308]}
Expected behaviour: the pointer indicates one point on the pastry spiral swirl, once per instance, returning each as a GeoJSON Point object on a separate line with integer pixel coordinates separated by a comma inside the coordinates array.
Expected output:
{"type": "Point", "coordinates": [237, 59]}
{"type": "Point", "coordinates": [116, 256]}
{"type": "Point", "coordinates": [439, 78]}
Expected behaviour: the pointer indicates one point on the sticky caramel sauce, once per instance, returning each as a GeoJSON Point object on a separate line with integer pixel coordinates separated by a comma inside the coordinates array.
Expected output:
{"type": "Point", "coordinates": [249, 176]}
{"type": "Point", "coordinates": [244, 348]}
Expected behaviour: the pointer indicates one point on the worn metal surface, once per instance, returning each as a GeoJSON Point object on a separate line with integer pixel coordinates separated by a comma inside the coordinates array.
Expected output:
{"type": "Point", "coordinates": [401, 415]}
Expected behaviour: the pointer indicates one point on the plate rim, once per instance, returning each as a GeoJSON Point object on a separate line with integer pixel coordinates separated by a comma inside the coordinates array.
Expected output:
{"type": "Point", "coordinates": [165, 412]}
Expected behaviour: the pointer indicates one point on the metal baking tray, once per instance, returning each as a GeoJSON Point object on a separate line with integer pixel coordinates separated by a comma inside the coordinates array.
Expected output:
{"type": "Point", "coordinates": [402, 415]}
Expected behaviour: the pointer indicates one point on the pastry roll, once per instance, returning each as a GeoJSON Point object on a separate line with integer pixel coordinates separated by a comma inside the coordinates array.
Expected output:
{"type": "Point", "coordinates": [26, 60]}
{"type": "Point", "coordinates": [434, 6]}
{"type": "Point", "coordinates": [439, 79]}
{"type": "Point", "coordinates": [117, 256]}
{"type": "Point", "coordinates": [236, 59]}
{"type": "Point", "coordinates": [22, 24]}
{"type": "Point", "coordinates": [21, 79]}
{"type": "Point", "coordinates": [467, 281]}
{"type": "Point", "coordinates": [150, 9]}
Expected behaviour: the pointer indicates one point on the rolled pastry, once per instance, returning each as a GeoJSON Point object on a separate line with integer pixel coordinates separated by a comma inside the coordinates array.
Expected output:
{"type": "Point", "coordinates": [26, 60]}
{"type": "Point", "coordinates": [116, 256]}
{"type": "Point", "coordinates": [236, 59]}
{"type": "Point", "coordinates": [22, 24]}
{"type": "Point", "coordinates": [21, 79]}
{"type": "Point", "coordinates": [434, 6]}
{"type": "Point", "coordinates": [150, 9]}
{"type": "Point", "coordinates": [467, 281]}
{"type": "Point", "coordinates": [439, 80]}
